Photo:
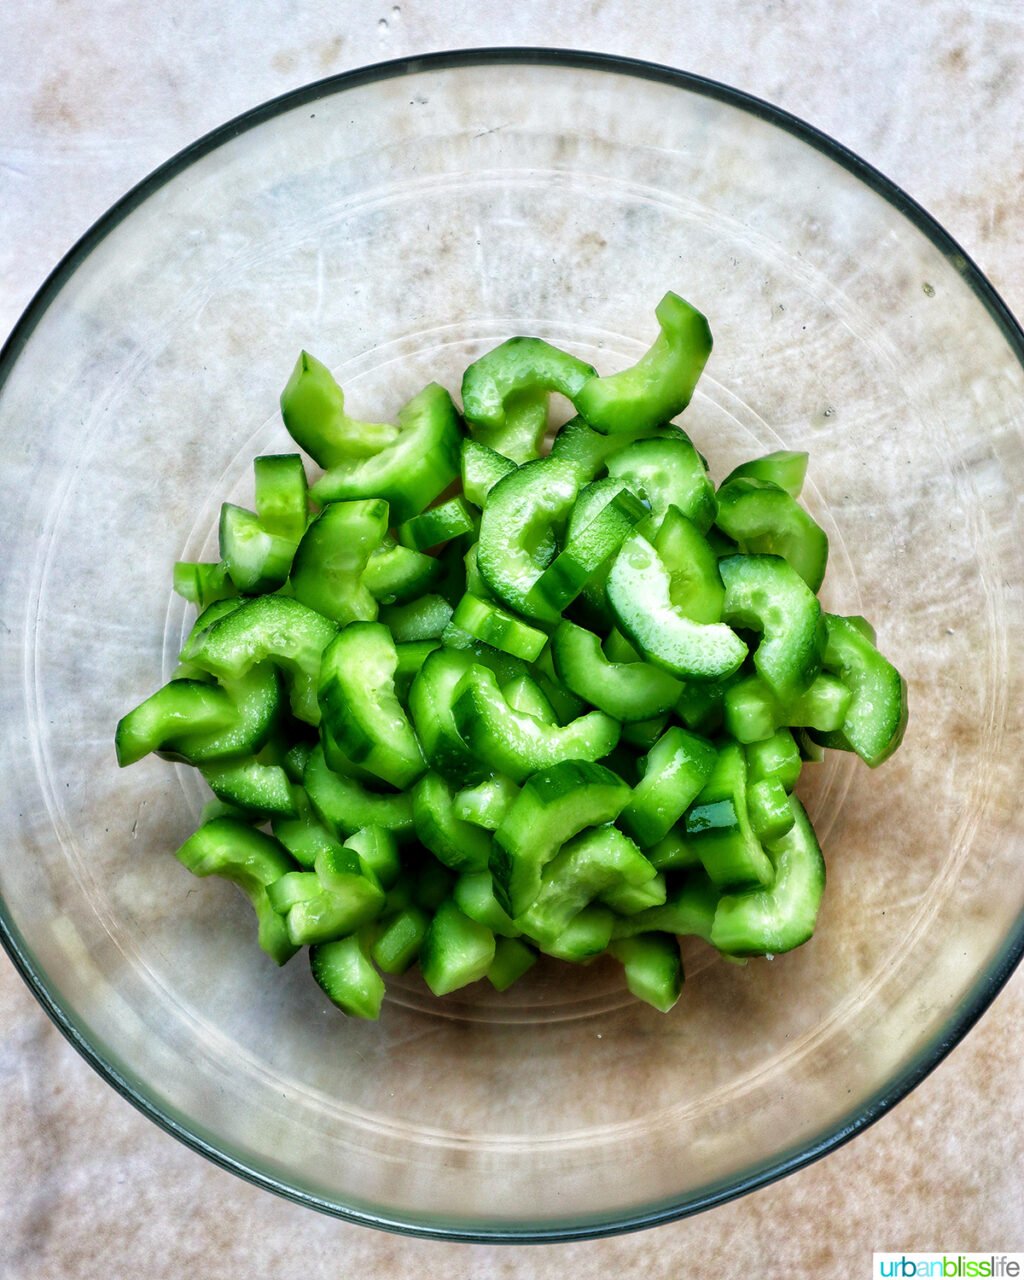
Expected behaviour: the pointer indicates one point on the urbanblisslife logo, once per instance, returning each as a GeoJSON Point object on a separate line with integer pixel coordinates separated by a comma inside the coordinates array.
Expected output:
{"type": "Point", "coordinates": [949, 1266]}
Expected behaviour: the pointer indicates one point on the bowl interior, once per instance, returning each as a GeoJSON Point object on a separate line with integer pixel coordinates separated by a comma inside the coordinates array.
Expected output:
{"type": "Point", "coordinates": [397, 225]}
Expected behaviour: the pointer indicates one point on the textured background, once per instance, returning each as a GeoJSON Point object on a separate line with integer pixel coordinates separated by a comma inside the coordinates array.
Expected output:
{"type": "Point", "coordinates": [92, 97]}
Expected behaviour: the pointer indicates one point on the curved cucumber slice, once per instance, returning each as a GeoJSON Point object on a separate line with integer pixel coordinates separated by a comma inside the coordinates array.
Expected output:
{"type": "Point", "coordinates": [257, 701]}
{"type": "Point", "coordinates": [653, 968]}
{"type": "Point", "coordinates": [766, 520]}
{"type": "Point", "coordinates": [786, 468]}
{"type": "Point", "coordinates": [251, 860]}
{"type": "Point", "coordinates": [437, 525]}
{"type": "Point", "coordinates": [519, 437]}
{"type": "Point", "coordinates": [780, 917]}
{"type": "Point", "coordinates": [275, 628]}
{"type": "Point", "coordinates": [555, 804]}
{"type": "Point", "coordinates": [590, 501]}
{"type": "Point", "coordinates": [431, 699]}
{"type": "Point", "coordinates": [502, 630]}
{"type": "Point", "coordinates": [462, 846]}
{"type": "Point", "coordinates": [695, 585]}
{"type": "Point", "coordinates": [456, 950]}
{"type": "Point", "coordinates": [661, 382]}
{"type": "Point", "coordinates": [876, 718]}
{"type": "Point", "coordinates": [768, 595]}
{"type": "Point", "coordinates": [181, 707]}
{"type": "Point", "coordinates": [345, 807]}
{"type": "Point", "coordinates": [667, 473]}
{"type": "Point", "coordinates": [516, 744]}
{"type": "Point", "coordinates": [587, 552]}
{"type": "Point", "coordinates": [588, 934]}
{"type": "Point", "coordinates": [344, 972]}
{"type": "Point", "coordinates": [516, 524]}
{"type": "Point", "coordinates": [628, 691]}
{"type": "Point", "coordinates": [327, 573]}
{"type": "Point", "coordinates": [518, 366]}
{"type": "Point", "coordinates": [638, 592]}
{"type": "Point", "coordinates": [482, 468]}
{"type": "Point", "coordinates": [313, 408]}
{"type": "Point", "coordinates": [256, 560]}
{"type": "Point", "coordinates": [486, 804]}
{"type": "Point", "coordinates": [719, 825]}
{"type": "Point", "coordinates": [688, 910]}
{"type": "Point", "coordinates": [474, 896]}
{"type": "Point", "coordinates": [360, 708]}
{"type": "Point", "coordinates": [262, 789]}
{"type": "Point", "coordinates": [282, 494]}
{"type": "Point", "coordinates": [675, 772]}
{"type": "Point", "coordinates": [395, 573]}
{"type": "Point", "coordinates": [585, 868]}
{"type": "Point", "coordinates": [410, 473]}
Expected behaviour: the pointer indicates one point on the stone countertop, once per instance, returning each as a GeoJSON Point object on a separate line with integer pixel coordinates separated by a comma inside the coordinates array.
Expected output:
{"type": "Point", "coordinates": [92, 97]}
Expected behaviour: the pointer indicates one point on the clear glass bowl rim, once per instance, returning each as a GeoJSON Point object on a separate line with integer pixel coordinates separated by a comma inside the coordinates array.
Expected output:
{"type": "Point", "coordinates": [989, 982]}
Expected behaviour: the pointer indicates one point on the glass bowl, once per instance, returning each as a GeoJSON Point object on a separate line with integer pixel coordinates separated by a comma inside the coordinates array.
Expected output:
{"type": "Point", "coordinates": [397, 221]}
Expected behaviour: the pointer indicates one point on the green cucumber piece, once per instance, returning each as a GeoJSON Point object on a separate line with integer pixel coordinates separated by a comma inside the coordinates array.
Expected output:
{"type": "Point", "coordinates": [203, 584]}
{"type": "Point", "coordinates": [876, 717]}
{"type": "Point", "coordinates": [462, 846]}
{"type": "Point", "coordinates": [394, 574]}
{"type": "Point", "coordinates": [517, 366]}
{"type": "Point", "coordinates": [487, 803]}
{"type": "Point", "coordinates": [776, 919]}
{"type": "Point", "coordinates": [282, 500]}
{"type": "Point", "coordinates": [258, 702]}
{"type": "Point", "coordinates": [785, 468]}
{"type": "Point", "coordinates": [181, 708]}
{"type": "Point", "coordinates": [422, 619]}
{"type": "Point", "coordinates": [525, 695]}
{"type": "Point", "coordinates": [653, 968]}
{"type": "Point", "coordinates": [763, 519]}
{"type": "Point", "coordinates": [345, 807]}
{"type": "Point", "coordinates": [518, 745]}
{"type": "Point", "coordinates": [667, 472]}
{"type": "Point", "coordinates": [515, 531]}
{"type": "Point", "coordinates": [586, 553]}
{"type": "Point", "coordinates": [694, 583]}
{"type": "Point", "coordinates": [474, 896]}
{"type": "Point", "coordinates": [256, 560]}
{"type": "Point", "coordinates": [583, 869]}
{"type": "Point", "coordinates": [344, 972]}
{"type": "Point", "coordinates": [412, 471]}
{"type": "Point", "coordinates": [313, 409]}
{"type": "Point", "coordinates": [439, 524]}
{"type": "Point", "coordinates": [638, 592]}
{"type": "Point", "coordinates": [251, 860]}
{"type": "Point", "coordinates": [493, 625]}
{"type": "Point", "coordinates": [400, 941]}
{"type": "Point", "coordinates": [688, 910]}
{"type": "Point", "coordinates": [457, 951]}
{"type": "Point", "coordinates": [676, 770]}
{"type": "Point", "coordinates": [556, 804]}
{"type": "Point", "coordinates": [769, 809]}
{"type": "Point", "coordinates": [662, 381]}
{"type": "Point", "coordinates": [774, 757]}
{"type": "Point", "coordinates": [765, 594]}
{"type": "Point", "coordinates": [257, 788]}
{"type": "Point", "coordinates": [360, 708]}
{"type": "Point", "coordinates": [512, 958]}
{"type": "Point", "coordinates": [584, 938]}
{"type": "Point", "coordinates": [482, 468]}
{"type": "Point", "coordinates": [431, 702]}
{"type": "Point", "coordinates": [719, 825]}
{"type": "Point", "coordinates": [332, 557]}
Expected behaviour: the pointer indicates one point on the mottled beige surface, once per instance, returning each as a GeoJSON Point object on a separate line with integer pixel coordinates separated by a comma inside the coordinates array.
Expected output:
{"type": "Point", "coordinates": [90, 101]}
